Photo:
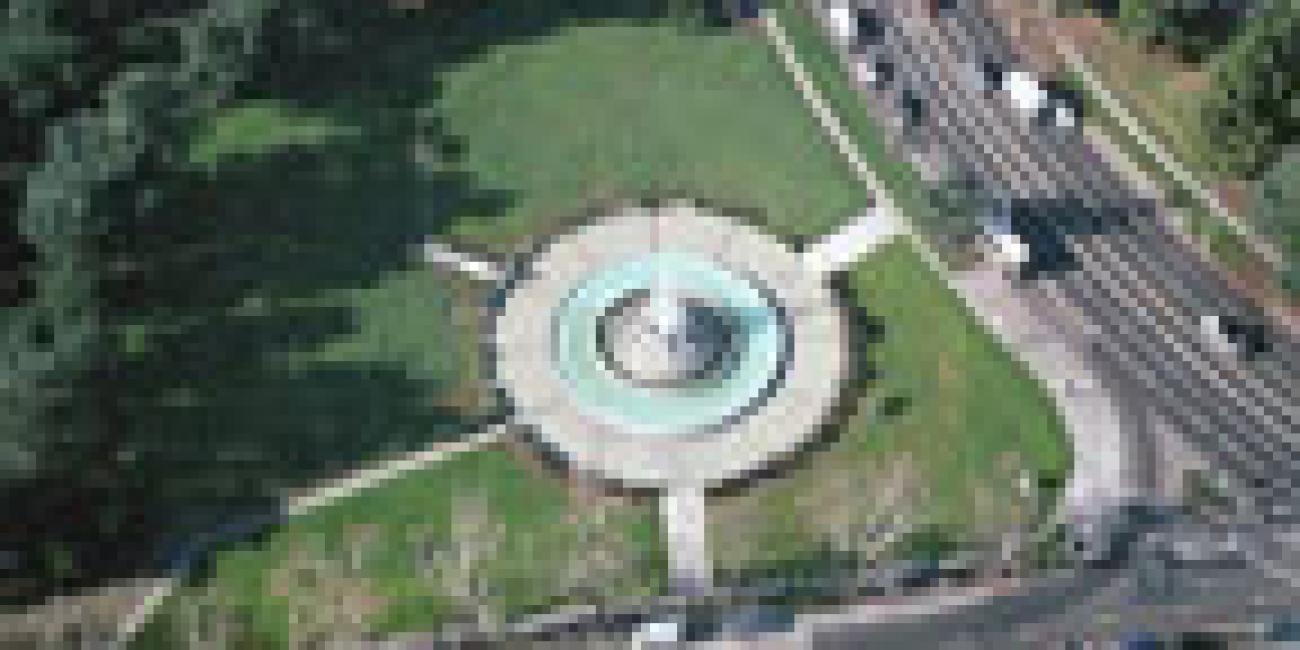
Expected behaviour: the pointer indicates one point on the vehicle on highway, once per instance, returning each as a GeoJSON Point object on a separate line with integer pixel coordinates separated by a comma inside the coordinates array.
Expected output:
{"type": "Point", "coordinates": [869, 28]}
{"type": "Point", "coordinates": [1048, 103]}
{"type": "Point", "coordinates": [1228, 334]}
{"type": "Point", "coordinates": [1005, 244]}
{"type": "Point", "coordinates": [856, 27]}
{"type": "Point", "coordinates": [876, 73]}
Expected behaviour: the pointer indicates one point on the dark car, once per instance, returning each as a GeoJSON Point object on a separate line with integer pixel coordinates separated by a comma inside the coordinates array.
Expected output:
{"type": "Point", "coordinates": [870, 27]}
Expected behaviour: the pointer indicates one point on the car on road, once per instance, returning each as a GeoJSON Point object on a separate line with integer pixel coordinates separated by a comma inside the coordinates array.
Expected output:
{"type": "Point", "coordinates": [1229, 334]}
{"type": "Point", "coordinates": [876, 73]}
{"type": "Point", "coordinates": [857, 27]}
{"type": "Point", "coordinates": [869, 26]}
{"type": "Point", "coordinates": [1005, 244]}
{"type": "Point", "coordinates": [1047, 103]}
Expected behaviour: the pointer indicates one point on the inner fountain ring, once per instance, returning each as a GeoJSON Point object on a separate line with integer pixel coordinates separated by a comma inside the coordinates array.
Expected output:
{"type": "Point", "coordinates": [758, 336]}
{"type": "Point", "coordinates": [788, 374]}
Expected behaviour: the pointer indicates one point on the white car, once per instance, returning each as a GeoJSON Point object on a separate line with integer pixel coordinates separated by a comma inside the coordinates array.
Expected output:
{"type": "Point", "coordinates": [840, 17]}
{"type": "Point", "coordinates": [1044, 102]}
{"type": "Point", "coordinates": [1007, 246]}
{"type": "Point", "coordinates": [1024, 91]}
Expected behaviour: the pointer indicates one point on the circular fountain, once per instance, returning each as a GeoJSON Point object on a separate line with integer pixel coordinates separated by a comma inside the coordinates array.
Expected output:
{"type": "Point", "coordinates": [667, 346]}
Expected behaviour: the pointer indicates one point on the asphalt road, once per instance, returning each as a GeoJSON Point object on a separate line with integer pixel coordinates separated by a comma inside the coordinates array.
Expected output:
{"type": "Point", "coordinates": [1106, 256]}
{"type": "Point", "coordinates": [1099, 248]}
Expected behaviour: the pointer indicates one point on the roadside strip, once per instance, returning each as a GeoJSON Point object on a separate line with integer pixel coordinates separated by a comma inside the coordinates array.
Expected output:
{"type": "Point", "coordinates": [1149, 146]}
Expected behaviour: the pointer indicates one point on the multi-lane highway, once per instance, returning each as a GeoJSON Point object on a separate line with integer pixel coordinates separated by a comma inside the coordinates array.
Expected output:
{"type": "Point", "coordinates": [1103, 250]}
{"type": "Point", "coordinates": [944, 82]}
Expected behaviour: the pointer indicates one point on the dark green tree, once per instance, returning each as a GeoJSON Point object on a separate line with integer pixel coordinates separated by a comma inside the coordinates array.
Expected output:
{"type": "Point", "coordinates": [1275, 213]}
{"type": "Point", "coordinates": [1249, 111]}
{"type": "Point", "coordinates": [77, 119]}
{"type": "Point", "coordinates": [1196, 29]}
{"type": "Point", "coordinates": [87, 99]}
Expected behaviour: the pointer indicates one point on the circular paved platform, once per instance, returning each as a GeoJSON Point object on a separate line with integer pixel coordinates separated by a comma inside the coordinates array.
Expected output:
{"type": "Point", "coordinates": [584, 293]}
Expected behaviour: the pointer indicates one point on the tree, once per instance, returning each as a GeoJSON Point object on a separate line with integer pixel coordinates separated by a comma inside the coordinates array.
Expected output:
{"type": "Point", "coordinates": [75, 124]}
{"type": "Point", "coordinates": [1250, 109]}
{"type": "Point", "coordinates": [1194, 28]}
{"type": "Point", "coordinates": [1275, 212]}
{"type": "Point", "coordinates": [82, 120]}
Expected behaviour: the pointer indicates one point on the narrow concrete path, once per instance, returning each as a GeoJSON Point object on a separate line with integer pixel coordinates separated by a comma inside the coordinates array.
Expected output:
{"type": "Point", "coordinates": [475, 266]}
{"type": "Point", "coordinates": [873, 228]}
{"type": "Point", "coordinates": [690, 563]}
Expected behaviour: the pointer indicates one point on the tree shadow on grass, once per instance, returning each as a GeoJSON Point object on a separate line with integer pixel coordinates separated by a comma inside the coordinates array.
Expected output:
{"type": "Point", "coordinates": [216, 275]}
{"type": "Point", "coordinates": [203, 419]}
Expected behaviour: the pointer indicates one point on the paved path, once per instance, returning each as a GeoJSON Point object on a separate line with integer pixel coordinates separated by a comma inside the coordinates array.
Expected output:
{"type": "Point", "coordinates": [690, 562]}
{"type": "Point", "coordinates": [873, 228]}
{"type": "Point", "coordinates": [473, 265]}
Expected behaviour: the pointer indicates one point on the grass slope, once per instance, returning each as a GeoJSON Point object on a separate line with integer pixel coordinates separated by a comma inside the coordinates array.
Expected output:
{"type": "Point", "coordinates": [621, 111]}
{"type": "Point", "coordinates": [388, 558]}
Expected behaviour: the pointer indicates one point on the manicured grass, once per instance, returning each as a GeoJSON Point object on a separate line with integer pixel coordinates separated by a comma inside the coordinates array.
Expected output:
{"type": "Point", "coordinates": [258, 127]}
{"type": "Point", "coordinates": [426, 320]}
{"type": "Point", "coordinates": [825, 67]}
{"type": "Point", "coordinates": [978, 402]}
{"type": "Point", "coordinates": [941, 395]}
{"type": "Point", "coordinates": [946, 401]}
{"type": "Point", "coordinates": [585, 113]}
{"type": "Point", "coordinates": [620, 111]}
{"type": "Point", "coordinates": [589, 113]}
{"type": "Point", "coordinates": [387, 556]}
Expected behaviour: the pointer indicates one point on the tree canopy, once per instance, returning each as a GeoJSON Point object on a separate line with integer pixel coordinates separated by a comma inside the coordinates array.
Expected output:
{"type": "Point", "coordinates": [1275, 212]}
{"type": "Point", "coordinates": [1250, 109]}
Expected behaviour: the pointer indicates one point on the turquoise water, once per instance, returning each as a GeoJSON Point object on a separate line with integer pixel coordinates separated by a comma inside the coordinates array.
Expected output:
{"type": "Point", "coordinates": [695, 405]}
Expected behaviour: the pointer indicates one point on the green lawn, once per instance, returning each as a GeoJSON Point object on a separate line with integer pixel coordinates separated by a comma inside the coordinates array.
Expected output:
{"type": "Point", "coordinates": [389, 557]}
{"type": "Point", "coordinates": [583, 114]}
{"type": "Point", "coordinates": [823, 65]}
{"type": "Point", "coordinates": [941, 401]}
{"type": "Point", "coordinates": [620, 111]}
{"type": "Point", "coordinates": [535, 131]}
{"type": "Point", "coordinates": [258, 127]}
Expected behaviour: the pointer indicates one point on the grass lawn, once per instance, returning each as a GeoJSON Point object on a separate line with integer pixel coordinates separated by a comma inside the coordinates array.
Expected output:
{"type": "Point", "coordinates": [945, 418]}
{"type": "Point", "coordinates": [539, 129]}
{"type": "Point", "coordinates": [943, 409]}
{"type": "Point", "coordinates": [823, 65]}
{"type": "Point", "coordinates": [412, 553]}
{"type": "Point", "coordinates": [584, 113]}
{"type": "Point", "coordinates": [618, 111]}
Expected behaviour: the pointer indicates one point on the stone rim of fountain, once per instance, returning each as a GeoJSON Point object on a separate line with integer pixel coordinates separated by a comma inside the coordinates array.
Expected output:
{"type": "Point", "coordinates": [768, 429]}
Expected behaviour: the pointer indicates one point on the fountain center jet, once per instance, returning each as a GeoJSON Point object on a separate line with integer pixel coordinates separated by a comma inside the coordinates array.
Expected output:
{"type": "Point", "coordinates": [666, 338]}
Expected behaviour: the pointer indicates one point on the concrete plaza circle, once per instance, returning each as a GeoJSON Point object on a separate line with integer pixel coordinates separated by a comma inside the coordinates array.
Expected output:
{"type": "Point", "coordinates": [771, 421]}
